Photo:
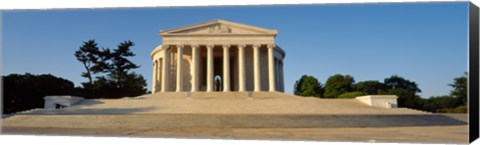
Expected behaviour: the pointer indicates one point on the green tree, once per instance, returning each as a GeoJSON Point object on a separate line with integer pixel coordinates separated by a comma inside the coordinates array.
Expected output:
{"type": "Point", "coordinates": [118, 66]}
{"type": "Point", "coordinates": [405, 90]}
{"type": "Point", "coordinates": [460, 89]}
{"type": "Point", "coordinates": [371, 87]}
{"type": "Point", "coordinates": [26, 91]}
{"type": "Point", "coordinates": [88, 54]}
{"type": "Point", "coordinates": [437, 103]}
{"type": "Point", "coordinates": [308, 86]}
{"type": "Point", "coordinates": [134, 85]}
{"type": "Point", "coordinates": [337, 85]}
{"type": "Point", "coordinates": [407, 98]}
{"type": "Point", "coordinates": [116, 78]}
{"type": "Point", "coordinates": [397, 82]}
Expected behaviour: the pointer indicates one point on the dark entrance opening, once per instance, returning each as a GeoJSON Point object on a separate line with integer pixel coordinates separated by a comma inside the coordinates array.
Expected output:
{"type": "Point", "coordinates": [218, 83]}
{"type": "Point", "coordinates": [59, 106]}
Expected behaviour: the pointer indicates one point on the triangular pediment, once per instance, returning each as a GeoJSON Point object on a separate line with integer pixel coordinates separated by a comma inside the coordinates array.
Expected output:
{"type": "Point", "coordinates": [216, 27]}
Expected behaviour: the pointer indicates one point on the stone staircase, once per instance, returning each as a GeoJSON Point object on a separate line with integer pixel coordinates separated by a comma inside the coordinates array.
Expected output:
{"type": "Point", "coordinates": [234, 95]}
{"type": "Point", "coordinates": [225, 109]}
{"type": "Point", "coordinates": [224, 103]}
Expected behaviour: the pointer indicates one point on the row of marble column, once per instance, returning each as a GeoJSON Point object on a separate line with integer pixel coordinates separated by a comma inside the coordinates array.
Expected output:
{"type": "Point", "coordinates": [210, 72]}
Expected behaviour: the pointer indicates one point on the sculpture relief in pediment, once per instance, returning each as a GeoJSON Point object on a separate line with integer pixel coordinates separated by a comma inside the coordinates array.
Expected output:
{"type": "Point", "coordinates": [219, 29]}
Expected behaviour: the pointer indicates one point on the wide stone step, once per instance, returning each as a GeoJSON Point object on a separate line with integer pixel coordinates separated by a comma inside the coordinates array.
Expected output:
{"type": "Point", "coordinates": [223, 103]}
{"type": "Point", "coordinates": [226, 121]}
{"type": "Point", "coordinates": [218, 94]}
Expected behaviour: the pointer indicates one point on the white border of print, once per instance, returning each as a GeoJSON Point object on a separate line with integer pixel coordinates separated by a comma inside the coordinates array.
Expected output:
{"type": "Point", "coordinates": [79, 140]}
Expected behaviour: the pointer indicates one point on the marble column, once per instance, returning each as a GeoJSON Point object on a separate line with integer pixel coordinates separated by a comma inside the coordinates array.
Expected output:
{"type": "Point", "coordinates": [166, 65]}
{"type": "Point", "coordinates": [210, 68]}
{"type": "Point", "coordinates": [159, 74]}
{"type": "Point", "coordinates": [179, 68]}
{"type": "Point", "coordinates": [155, 76]}
{"type": "Point", "coordinates": [226, 68]}
{"type": "Point", "coordinates": [256, 68]}
{"type": "Point", "coordinates": [282, 83]}
{"type": "Point", "coordinates": [277, 74]}
{"type": "Point", "coordinates": [271, 69]}
{"type": "Point", "coordinates": [241, 68]}
{"type": "Point", "coordinates": [195, 58]}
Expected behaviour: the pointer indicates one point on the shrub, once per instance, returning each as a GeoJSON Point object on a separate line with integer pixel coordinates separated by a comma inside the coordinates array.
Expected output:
{"type": "Point", "coordinates": [459, 109]}
{"type": "Point", "coordinates": [351, 95]}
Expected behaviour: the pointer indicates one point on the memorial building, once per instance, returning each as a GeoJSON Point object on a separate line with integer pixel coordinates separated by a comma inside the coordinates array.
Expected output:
{"type": "Point", "coordinates": [218, 56]}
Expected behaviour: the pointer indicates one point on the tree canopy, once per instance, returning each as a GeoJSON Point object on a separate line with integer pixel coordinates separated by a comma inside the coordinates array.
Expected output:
{"type": "Point", "coordinates": [371, 87]}
{"type": "Point", "coordinates": [397, 82]}
{"type": "Point", "coordinates": [437, 103]}
{"type": "Point", "coordinates": [337, 85]}
{"type": "Point", "coordinates": [406, 91]}
{"type": "Point", "coordinates": [26, 91]}
{"type": "Point", "coordinates": [308, 86]}
{"type": "Point", "coordinates": [114, 78]}
{"type": "Point", "coordinates": [460, 89]}
{"type": "Point", "coordinates": [88, 55]}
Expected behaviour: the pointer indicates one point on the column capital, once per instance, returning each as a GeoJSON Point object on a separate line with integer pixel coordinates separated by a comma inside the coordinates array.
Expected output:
{"type": "Point", "coordinates": [179, 45]}
{"type": "Point", "coordinates": [165, 47]}
{"type": "Point", "coordinates": [271, 46]}
{"type": "Point", "coordinates": [194, 45]}
{"type": "Point", "coordinates": [226, 46]}
{"type": "Point", "coordinates": [209, 46]}
{"type": "Point", "coordinates": [241, 45]}
{"type": "Point", "coordinates": [256, 45]}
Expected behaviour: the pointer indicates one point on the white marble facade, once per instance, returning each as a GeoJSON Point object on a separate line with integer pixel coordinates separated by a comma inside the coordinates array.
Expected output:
{"type": "Point", "coordinates": [218, 56]}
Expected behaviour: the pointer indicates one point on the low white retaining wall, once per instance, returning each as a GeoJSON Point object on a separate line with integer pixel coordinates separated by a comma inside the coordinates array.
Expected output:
{"type": "Point", "coordinates": [382, 101]}
{"type": "Point", "coordinates": [52, 101]}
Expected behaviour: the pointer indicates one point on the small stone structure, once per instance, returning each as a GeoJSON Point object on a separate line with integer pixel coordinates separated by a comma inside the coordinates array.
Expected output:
{"type": "Point", "coordinates": [57, 102]}
{"type": "Point", "coordinates": [382, 101]}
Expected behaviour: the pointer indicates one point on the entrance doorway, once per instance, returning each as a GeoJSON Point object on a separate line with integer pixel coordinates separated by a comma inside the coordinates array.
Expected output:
{"type": "Point", "coordinates": [218, 86]}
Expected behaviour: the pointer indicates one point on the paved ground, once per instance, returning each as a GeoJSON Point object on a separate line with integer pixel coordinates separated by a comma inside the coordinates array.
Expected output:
{"type": "Point", "coordinates": [430, 134]}
{"type": "Point", "coordinates": [227, 121]}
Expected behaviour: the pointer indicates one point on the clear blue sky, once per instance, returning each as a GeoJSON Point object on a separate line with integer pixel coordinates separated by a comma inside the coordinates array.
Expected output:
{"type": "Point", "coordinates": [422, 42]}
